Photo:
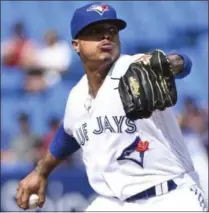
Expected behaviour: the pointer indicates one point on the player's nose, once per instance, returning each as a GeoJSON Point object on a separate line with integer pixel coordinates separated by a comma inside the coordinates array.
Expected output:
{"type": "Point", "coordinates": [107, 36]}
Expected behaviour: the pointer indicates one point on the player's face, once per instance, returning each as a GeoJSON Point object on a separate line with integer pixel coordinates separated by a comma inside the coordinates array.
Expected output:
{"type": "Point", "coordinates": [99, 42]}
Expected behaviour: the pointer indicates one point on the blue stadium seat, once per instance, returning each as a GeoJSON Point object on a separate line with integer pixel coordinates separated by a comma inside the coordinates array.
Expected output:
{"type": "Point", "coordinates": [5, 139]}
{"type": "Point", "coordinates": [33, 18]}
{"type": "Point", "coordinates": [7, 17]}
{"type": "Point", "coordinates": [9, 114]}
{"type": "Point", "coordinates": [34, 106]}
{"type": "Point", "coordinates": [195, 84]}
{"type": "Point", "coordinates": [12, 80]}
{"type": "Point", "coordinates": [147, 21]}
{"type": "Point", "coordinates": [56, 100]}
{"type": "Point", "coordinates": [200, 7]}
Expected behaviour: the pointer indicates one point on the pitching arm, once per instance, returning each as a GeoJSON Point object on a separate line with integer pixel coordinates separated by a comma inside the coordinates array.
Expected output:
{"type": "Point", "coordinates": [62, 146]}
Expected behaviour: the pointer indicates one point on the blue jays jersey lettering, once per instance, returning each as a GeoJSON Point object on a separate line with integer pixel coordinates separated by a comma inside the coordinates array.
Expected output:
{"type": "Point", "coordinates": [116, 148]}
{"type": "Point", "coordinates": [112, 124]}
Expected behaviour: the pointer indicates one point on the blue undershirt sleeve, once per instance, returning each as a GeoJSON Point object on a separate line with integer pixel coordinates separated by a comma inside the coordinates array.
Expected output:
{"type": "Point", "coordinates": [63, 144]}
{"type": "Point", "coordinates": [187, 65]}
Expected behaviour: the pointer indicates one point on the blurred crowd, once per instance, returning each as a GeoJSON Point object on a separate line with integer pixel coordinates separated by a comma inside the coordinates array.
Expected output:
{"type": "Point", "coordinates": [193, 120]}
{"type": "Point", "coordinates": [44, 66]}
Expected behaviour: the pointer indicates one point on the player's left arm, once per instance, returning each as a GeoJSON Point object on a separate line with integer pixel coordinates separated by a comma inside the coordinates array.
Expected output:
{"type": "Point", "coordinates": [181, 64]}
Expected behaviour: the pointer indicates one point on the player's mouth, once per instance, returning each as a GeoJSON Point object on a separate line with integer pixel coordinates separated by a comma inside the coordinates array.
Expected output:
{"type": "Point", "coordinates": [106, 47]}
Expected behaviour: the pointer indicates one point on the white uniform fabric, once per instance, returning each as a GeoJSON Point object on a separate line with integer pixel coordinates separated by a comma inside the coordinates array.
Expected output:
{"type": "Point", "coordinates": [114, 166]}
{"type": "Point", "coordinates": [181, 199]}
{"type": "Point", "coordinates": [200, 160]}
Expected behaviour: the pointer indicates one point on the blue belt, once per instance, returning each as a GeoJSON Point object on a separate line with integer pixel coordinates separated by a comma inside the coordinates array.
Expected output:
{"type": "Point", "coordinates": [151, 192]}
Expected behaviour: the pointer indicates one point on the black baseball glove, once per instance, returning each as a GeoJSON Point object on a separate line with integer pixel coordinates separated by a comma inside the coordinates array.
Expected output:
{"type": "Point", "coordinates": [148, 85]}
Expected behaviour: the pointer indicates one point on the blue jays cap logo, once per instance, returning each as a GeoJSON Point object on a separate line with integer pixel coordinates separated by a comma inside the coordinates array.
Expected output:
{"type": "Point", "coordinates": [98, 8]}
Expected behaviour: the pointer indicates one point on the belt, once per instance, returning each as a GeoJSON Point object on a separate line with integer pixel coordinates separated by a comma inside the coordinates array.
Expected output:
{"type": "Point", "coordinates": [160, 189]}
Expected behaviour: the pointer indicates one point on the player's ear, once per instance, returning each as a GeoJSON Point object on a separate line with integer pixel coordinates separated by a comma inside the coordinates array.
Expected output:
{"type": "Point", "coordinates": [76, 46]}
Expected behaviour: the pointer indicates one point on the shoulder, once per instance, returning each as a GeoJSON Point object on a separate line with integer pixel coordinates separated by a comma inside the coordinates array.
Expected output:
{"type": "Point", "coordinates": [129, 58]}
{"type": "Point", "coordinates": [77, 93]}
{"type": "Point", "coordinates": [75, 101]}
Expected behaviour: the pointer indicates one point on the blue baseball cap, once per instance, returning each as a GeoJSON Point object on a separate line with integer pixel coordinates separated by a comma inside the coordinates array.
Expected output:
{"type": "Point", "coordinates": [93, 13]}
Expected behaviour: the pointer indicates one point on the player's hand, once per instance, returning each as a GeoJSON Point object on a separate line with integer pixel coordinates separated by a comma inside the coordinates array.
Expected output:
{"type": "Point", "coordinates": [31, 184]}
{"type": "Point", "coordinates": [148, 85]}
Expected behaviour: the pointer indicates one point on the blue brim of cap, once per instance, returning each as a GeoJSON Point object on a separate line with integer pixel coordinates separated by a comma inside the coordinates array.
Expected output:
{"type": "Point", "coordinates": [118, 22]}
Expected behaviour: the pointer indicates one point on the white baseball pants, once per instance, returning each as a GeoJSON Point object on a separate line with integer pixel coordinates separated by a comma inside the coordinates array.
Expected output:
{"type": "Point", "coordinates": [183, 198]}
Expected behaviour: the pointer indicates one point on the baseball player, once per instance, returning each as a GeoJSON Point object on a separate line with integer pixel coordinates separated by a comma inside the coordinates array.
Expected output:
{"type": "Point", "coordinates": [120, 115]}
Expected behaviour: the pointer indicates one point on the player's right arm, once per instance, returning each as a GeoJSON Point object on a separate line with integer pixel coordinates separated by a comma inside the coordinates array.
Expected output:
{"type": "Point", "coordinates": [62, 145]}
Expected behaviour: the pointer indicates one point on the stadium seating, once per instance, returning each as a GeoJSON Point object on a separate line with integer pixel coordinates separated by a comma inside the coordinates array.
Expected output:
{"type": "Point", "coordinates": [150, 24]}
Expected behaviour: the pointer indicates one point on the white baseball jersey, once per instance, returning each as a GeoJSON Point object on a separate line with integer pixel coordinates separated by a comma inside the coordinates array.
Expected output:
{"type": "Point", "coordinates": [123, 157]}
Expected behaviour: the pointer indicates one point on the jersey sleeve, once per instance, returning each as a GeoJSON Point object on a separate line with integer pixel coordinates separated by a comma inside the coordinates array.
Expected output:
{"type": "Point", "coordinates": [63, 144]}
{"type": "Point", "coordinates": [187, 64]}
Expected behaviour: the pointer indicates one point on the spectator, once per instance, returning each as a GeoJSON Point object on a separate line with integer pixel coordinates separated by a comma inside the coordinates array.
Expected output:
{"type": "Point", "coordinates": [193, 119]}
{"type": "Point", "coordinates": [19, 51]}
{"type": "Point", "coordinates": [34, 81]}
{"type": "Point", "coordinates": [26, 145]}
{"type": "Point", "coordinates": [54, 58]}
{"type": "Point", "coordinates": [5, 139]}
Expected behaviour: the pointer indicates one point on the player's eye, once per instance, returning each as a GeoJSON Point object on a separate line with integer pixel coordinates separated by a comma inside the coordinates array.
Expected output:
{"type": "Point", "coordinates": [113, 30]}
{"type": "Point", "coordinates": [102, 30]}
{"type": "Point", "coordinates": [96, 30]}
